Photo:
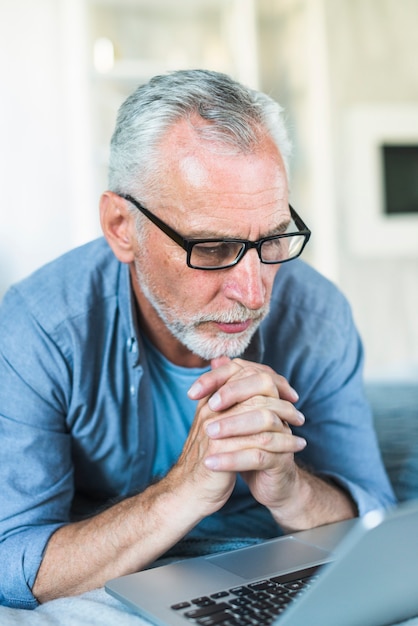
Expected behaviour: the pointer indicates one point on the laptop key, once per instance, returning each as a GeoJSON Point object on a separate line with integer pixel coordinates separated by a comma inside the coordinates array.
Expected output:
{"type": "Point", "coordinates": [243, 611]}
{"type": "Point", "coordinates": [216, 619]}
{"type": "Point", "coordinates": [240, 591]}
{"type": "Point", "coordinates": [207, 610]}
{"type": "Point", "coordinates": [258, 596]}
{"type": "Point", "coordinates": [281, 600]}
{"type": "Point", "coordinates": [279, 591]}
{"type": "Point", "coordinates": [262, 585]}
{"type": "Point", "coordinates": [260, 606]}
{"type": "Point", "coordinates": [219, 594]}
{"type": "Point", "coordinates": [247, 621]}
{"type": "Point", "coordinates": [240, 601]}
{"type": "Point", "coordinates": [295, 585]}
{"type": "Point", "coordinates": [180, 605]}
{"type": "Point", "coordinates": [203, 601]}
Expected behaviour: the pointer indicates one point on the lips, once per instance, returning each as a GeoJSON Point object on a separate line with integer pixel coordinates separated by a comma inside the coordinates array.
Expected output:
{"type": "Point", "coordinates": [234, 327]}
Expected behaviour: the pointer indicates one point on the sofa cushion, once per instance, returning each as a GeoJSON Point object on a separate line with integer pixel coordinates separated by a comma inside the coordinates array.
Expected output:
{"type": "Point", "coordinates": [395, 411]}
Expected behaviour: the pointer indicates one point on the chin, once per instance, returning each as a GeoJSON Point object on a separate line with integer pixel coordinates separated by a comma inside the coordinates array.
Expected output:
{"type": "Point", "coordinates": [210, 348]}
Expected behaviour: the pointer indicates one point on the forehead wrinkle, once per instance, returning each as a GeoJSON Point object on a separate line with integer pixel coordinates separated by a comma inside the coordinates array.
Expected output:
{"type": "Point", "coordinates": [225, 233]}
{"type": "Point", "coordinates": [195, 215]}
{"type": "Point", "coordinates": [199, 199]}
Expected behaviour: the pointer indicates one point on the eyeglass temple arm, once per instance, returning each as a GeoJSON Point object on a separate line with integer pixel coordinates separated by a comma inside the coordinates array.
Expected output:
{"type": "Point", "coordinates": [156, 220]}
{"type": "Point", "coordinates": [299, 221]}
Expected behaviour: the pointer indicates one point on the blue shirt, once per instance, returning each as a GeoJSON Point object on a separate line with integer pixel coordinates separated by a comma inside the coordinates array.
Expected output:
{"type": "Point", "coordinates": [173, 409]}
{"type": "Point", "coordinates": [77, 426]}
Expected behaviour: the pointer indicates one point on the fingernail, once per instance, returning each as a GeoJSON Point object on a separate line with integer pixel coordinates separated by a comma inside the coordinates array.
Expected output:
{"type": "Point", "coordinates": [301, 443]}
{"type": "Point", "coordinates": [301, 417]}
{"type": "Point", "coordinates": [195, 390]}
{"type": "Point", "coordinates": [294, 393]}
{"type": "Point", "coordinates": [215, 401]}
{"type": "Point", "coordinates": [213, 429]}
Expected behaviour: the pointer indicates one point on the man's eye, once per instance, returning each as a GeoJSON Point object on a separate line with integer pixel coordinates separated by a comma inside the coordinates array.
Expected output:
{"type": "Point", "coordinates": [211, 248]}
{"type": "Point", "coordinates": [215, 253]}
{"type": "Point", "coordinates": [273, 244]}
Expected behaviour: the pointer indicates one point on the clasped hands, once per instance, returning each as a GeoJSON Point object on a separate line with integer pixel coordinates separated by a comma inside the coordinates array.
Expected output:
{"type": "Point", "coordinates": [242, 425]}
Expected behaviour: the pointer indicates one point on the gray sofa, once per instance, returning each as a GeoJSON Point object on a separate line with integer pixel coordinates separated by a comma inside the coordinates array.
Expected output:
{"type": "Point", "coordinates": [395, 411]}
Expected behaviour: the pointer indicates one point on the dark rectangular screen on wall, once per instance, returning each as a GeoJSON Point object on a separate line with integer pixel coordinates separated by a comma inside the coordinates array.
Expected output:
{"type": "Point", "coordinates": [400, 174]}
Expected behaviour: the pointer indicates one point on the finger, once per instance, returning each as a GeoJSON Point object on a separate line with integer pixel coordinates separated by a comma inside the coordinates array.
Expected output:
{"type": "Point", "coordinates": [222, 360]}
{"type": "Point", "coordinates": [209, 382]}
{"type": "Point", "coordinates": [233, 371]}
{"type": "Point", "coordinates": [274, 418]}
{"type": "Point", "coordinates": [253, 458]}
{"type": "Point", "coordinates": [252, 387]}
{"type": "Point", "coordinates": [286, 391]}
{"type": "Point", "coordinates": [266, 441]}
{"type": "Point", "coordinates": [224, 369]}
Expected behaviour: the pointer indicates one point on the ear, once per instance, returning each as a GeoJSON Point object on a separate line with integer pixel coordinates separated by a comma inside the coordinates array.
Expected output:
{"type": "Point", "coordinates": [117, 225]}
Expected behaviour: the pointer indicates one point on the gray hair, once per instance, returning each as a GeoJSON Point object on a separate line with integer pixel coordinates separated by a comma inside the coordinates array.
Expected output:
{"type": "Point", "coordinates": [238, 119]}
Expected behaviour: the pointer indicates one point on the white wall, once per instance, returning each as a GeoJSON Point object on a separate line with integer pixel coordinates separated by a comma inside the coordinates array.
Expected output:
{"type": "Point", "coordinates": [41, 198]}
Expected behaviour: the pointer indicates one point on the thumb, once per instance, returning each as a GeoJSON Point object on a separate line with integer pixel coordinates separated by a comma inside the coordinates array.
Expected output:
{"type": "Point", "coordinates": [222, 360]}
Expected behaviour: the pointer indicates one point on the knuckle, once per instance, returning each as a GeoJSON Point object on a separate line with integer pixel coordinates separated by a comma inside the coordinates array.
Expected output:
{"type": "Point", "coordinates": [265, 439]}
{"type": "Point", "coordinates": [260, 457]}
{"type": "Point", "coordinates": [266, 418]}
{"type": "Point", "coordinates": [268, 384]}
{"type": "Point", "coordinates": [271, 420]}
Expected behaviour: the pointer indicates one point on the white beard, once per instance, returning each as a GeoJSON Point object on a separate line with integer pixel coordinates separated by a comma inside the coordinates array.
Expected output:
{"type": "Point", "coordinates": [191, 333]}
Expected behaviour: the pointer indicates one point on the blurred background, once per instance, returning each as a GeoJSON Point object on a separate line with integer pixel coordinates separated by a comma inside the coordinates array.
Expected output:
{"type": "Point", "coordinates": [346, 72]}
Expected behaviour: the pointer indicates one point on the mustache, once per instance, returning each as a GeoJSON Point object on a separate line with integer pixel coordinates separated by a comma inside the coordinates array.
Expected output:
{"type": "Point", "coordinates": [238, 313]}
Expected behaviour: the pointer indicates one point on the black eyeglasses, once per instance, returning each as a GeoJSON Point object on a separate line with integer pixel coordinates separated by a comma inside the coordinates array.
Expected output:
{"type": "Point", "coordinates": [218, 254]}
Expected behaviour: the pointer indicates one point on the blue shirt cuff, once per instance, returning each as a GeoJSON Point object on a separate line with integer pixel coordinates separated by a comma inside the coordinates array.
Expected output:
{"type": "Point", "coordinates": [364, 500]}
{"type": "Point", "coordinates": [21, 555]}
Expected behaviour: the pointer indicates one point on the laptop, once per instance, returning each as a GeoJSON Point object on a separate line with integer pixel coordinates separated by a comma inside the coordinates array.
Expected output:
{"type": "Point", "coordinates": [361, 572]}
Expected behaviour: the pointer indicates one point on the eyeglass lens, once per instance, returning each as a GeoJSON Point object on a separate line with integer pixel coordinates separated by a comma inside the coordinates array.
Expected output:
{"type": "Point", "coordinates": [224, 253]}
{"type": "Point", "coordinates": [218, 254]}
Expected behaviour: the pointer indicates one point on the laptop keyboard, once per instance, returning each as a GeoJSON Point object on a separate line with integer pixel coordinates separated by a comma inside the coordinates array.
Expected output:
{"type": "Point", "coordinates": [257, 603]}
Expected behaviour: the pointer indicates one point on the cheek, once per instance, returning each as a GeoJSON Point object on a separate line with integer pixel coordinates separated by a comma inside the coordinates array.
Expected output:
{"type": "Point", "coordinates": [268, 277]}
{"type": "Point", "coordinates": [197, 291]}
{"type": "Point", "coordinates": [271, 274]}
{"type": "Point", "coordinates": [202, 287]}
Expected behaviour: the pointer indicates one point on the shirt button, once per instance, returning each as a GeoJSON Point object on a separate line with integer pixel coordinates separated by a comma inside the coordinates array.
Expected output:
{"type": "Point", "coordinates": [132, 390]}
{"type": "Point", "coordinates": [131, 344]}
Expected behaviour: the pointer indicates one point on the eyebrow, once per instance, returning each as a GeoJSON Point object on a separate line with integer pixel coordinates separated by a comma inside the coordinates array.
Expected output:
{"type": "Point", "coordinates": [278, 230]}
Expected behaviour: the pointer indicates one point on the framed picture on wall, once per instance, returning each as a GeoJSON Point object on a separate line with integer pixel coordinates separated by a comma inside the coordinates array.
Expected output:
{"type": "Point", "coordinates": [381, 180]}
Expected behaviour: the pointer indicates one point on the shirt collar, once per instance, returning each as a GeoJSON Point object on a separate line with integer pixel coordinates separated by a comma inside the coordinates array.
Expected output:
{"type": "Point", "coordinates": [127, 310]}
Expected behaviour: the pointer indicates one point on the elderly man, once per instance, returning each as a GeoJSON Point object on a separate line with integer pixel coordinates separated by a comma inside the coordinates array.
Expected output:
{"type": "Point", "coordinates": [184, 376]}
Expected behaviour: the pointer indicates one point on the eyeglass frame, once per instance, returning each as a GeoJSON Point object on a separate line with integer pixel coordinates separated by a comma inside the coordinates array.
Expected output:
{"type": "Point", "coordinates": [187, 244]}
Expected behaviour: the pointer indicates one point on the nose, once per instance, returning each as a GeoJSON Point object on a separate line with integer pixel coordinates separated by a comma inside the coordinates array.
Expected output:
{"type": "Point", "coordinates": [245, 282]}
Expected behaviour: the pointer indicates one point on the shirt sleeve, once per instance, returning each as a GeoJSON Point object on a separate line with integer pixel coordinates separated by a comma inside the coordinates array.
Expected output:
{"type": "Point", "coordinates": [342, 443]}
{"type": "Point", "coordinates": [35, 452]}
